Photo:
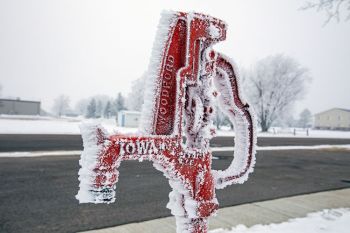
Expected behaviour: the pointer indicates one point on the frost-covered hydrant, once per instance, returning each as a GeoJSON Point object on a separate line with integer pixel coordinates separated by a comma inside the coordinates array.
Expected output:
{"type": "Point", "coordinates": [185, 77]}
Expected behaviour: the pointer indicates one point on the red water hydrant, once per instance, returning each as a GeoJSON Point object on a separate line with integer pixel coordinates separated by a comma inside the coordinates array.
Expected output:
{"type": "Point", "coordinates": [185, 78]}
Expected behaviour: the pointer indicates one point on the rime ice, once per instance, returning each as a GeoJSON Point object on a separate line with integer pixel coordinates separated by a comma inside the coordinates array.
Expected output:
{"type": "Point", "coordinates": [185, 77]}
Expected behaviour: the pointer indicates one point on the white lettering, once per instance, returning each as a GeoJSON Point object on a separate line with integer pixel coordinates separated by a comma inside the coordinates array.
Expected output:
{"type": "Point", "coordinates": [142, 147]}
{"type": "Point", "coordinates": [153, 149]}
{"type": "Point", "coordinates": [130, 148]}
{"type": "Point", "coordinates": [121, 148]}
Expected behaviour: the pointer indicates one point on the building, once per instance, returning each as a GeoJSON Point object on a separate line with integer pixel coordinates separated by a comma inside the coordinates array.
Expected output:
{"type": "Point", "coordinates": [129, 118]}
{"type": "Point", "coordinates": [19, 107]}
{"type": "Point", "coordinates": [335, 118]}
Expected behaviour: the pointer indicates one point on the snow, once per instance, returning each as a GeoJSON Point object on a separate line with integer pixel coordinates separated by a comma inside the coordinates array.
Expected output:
{"type": "Point", "coordinates": [213, 149]}
{"type": "Point", "coordinates": [264, 148]}
{"type": "Point", "coordinates": [51, 125]}
{"type": "Point", "coordinates": [15, 124]}
{"type": "Point", "coordinates": [288, 132]}
{"type": "Point", "coordinates": [326, 221]}
{"type": "Point", "coordinates": [39, 153]}
{"type": "Point", "coordinates": [214, 31]}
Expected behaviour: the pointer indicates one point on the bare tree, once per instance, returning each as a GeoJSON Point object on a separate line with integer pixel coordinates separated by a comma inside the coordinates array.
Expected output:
{"type": "Point", "coordinates": [61, 105]}
{"type": "Point", "coordinates": [136, 96]}
{"type": "Point", "coordinates": [81, 106]}
{"type": "Point", "coordinates": [332, 8]}
{"type": "Point", "coordinates": [119, 103]}
{"type": "Point", "coordinates": [91, 109]}
{"type": "Point", "coordinates": [107, 112]}
{"type": "Point", "coordinates": [273, 86]}
{"type": "Point", "coordinates": [101, 101]}
{"type": "Point", "coordinates": [221, 119]}
{"type": "Point", "coordinates": [305, 118]}
{"type": "Point", "coordinates": [99, 109]}
{"type": "Point", "coordinates": [290, 121]}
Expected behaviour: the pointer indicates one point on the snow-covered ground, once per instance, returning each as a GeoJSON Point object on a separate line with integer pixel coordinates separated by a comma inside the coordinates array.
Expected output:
{"type": "Point", "coordinates": [289, 132]}
{"type": "Point", "coordinates": [69, 125]}
{"type": "Point", "coordinates": [259, 148]}
{"type": "Point", "coordinates": [51, 125]}
{"type": "Point", "coordinates": [39, 153]}
{"type": "Point", "coordinates": [213, 149]}
{"type": "Point", "coordinates": [326, 221]}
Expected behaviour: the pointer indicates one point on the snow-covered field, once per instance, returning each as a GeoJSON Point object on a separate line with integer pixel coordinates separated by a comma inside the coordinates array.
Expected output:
{"type": "Point", "coordinates": [213, 149]}
{"type": "Point", "coordinates": [51, 125]}
{"type": "Point", "coordinates": [289, 132]}
{"type": "Point", "coordinates": [68, 125]}
{"type": "Point", "coordinates": [260, 148]}
{"type": "Point", "coordinates": [326, 221]}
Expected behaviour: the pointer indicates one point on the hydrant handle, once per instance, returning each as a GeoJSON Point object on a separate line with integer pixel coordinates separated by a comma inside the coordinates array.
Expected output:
{"type": "Point", "coordinates": [240, 114]}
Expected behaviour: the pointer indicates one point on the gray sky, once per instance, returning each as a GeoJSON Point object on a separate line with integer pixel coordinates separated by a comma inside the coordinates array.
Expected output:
{"type": "Point", "coordinates": [83, 48]}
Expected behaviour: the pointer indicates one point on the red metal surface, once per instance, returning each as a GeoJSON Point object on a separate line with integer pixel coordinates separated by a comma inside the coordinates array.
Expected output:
{"type": "Point", "coordinates": [229, 70]}
{"type": "Point", "coordinates": [182, 61]}
{"type": "Point", "coordinates": [173, 60]}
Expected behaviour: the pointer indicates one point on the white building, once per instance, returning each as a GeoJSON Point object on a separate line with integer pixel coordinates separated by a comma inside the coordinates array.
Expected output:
{"type": "Point", "coordinates": [335, 118]}
{"type": "Point", "coordinates": [129, 118]}
{"type": "Point", "coordinates": [19, 107]}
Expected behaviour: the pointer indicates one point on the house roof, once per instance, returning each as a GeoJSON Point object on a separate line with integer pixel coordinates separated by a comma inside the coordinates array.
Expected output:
{"type": "Point", "coordinates": [19, 100]}
{"type": "Point", "coordinates": [341, 109]}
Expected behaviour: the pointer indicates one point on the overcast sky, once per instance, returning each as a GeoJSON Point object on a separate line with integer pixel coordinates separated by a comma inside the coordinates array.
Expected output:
{"type": "Point", "coordinates": [83, 48]}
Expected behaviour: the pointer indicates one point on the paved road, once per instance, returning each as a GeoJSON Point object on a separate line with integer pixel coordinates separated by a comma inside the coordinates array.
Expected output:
{"type": "Point", "coordinates": [38, 142]}
{"type": "Point", "coordinates": [37, 194]}
{"type": "Point", "coordinates": [29, 142]}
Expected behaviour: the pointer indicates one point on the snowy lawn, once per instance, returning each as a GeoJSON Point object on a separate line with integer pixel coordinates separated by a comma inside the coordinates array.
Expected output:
{"type": "Point", "coordinates": [326, 221]}
{"type": "Point", "coordinates": [289, 132]}
{"type": "Point", "coordinates": [70, 125]}
{"type": "Point", "coordinates": [51, 125]}
{"type": "Point", "coordinates": [213, 149]}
